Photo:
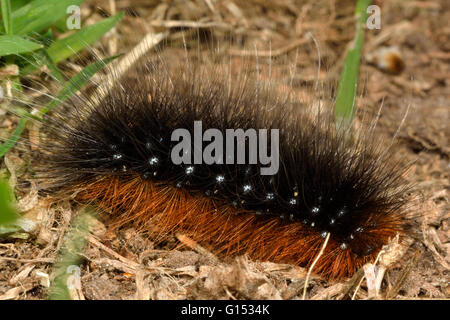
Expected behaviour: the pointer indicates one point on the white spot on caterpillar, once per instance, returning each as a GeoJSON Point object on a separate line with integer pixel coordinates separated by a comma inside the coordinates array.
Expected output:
{"type": "Point", "coordinates": [153, 161]}
{"type": "Point", "coordinates": [343, 246]}
{"type": "Point", "coordinates": [247, 188]}
{"type": "Point", "coordinates": [270, 196]}
{"type": "Point", "coordinates": [220, 178]}
{"type": "Point", "coordinates": [189, 170]}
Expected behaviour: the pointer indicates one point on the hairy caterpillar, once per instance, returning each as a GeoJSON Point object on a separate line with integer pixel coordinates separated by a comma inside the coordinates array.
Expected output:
{"type": "Point", "coordinates": [115, 151]}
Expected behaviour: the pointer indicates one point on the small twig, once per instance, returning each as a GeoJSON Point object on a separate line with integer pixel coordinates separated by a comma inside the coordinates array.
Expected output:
{"type": "Point", "coordinates": [353, 282]}
{"type": "Point", "coordinates": [333, 291]}
{"type": "Point", "coordinates": [189, 24]}
{"type": "Point", "coordinates": [111, 252]}
{"type": "Point", "coordinates": [116, 264]}
{"type": "Point", "coordinates": [313, 264]}
{"type": "Point", "coordinates": [210, 6]}
{"type": "Point", "coordinates": [362, 278]}
{"type": "Point", "coordinates": [194, 245]}
{"type": "Point", "coordinates": [401, 280]}
{"type": "Point", "coordinates": [14, 293]}
{"type": "Point", "coordinates": [121, 66]}
{"type": "Point", "coordinates": [229, 293]}
{"type": "Point", "coordinates": [112, 43]}
{"type": "Point", "coordinates": [269, 53]}
{"type": "Point", "coordinates": [142, 287]}
{"type": "Point", "coordinates": [37, 260]}
{"type": "Point", "coordinates": [374, 277]}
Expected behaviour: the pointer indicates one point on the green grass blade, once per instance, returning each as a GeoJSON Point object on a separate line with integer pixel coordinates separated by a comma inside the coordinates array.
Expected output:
{"type": "Point", "coordinates": [75, 84]}
{"type": "Point", "coordinates": [8, 213]}
{"type": "Point", "coordinates": [43, 58]}
{"type": "Point", "coordinates": [71, 86]}
{"type": "Point", "coordinates": [19, 4]}
{"type": "Point", "coordinates": [67, 47]}
{"type": "Point", "coordinates": [6, 16]}
{"type": "Point", "coordinates": [66, 270]}
{"type": "Point", "coordinates": [39, 15]}
{"type": "Point", "coordinates": [5, 147]}
{"type": "Point", "coordinates": [15, 45]}
{"type": "Point", "coordinates": [345, 100]}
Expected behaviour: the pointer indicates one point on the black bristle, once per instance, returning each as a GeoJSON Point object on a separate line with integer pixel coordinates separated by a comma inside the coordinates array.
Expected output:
{"type": "Point", "coordinates": [334, 180]}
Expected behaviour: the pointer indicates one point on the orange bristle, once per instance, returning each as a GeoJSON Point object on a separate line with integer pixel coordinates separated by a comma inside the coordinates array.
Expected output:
{"type": "Point", "coordinates": [227, 232]}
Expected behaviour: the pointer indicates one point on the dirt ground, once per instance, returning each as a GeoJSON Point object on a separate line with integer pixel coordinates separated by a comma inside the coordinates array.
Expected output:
{"type": "Point", "coordinates": [128, 265]}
